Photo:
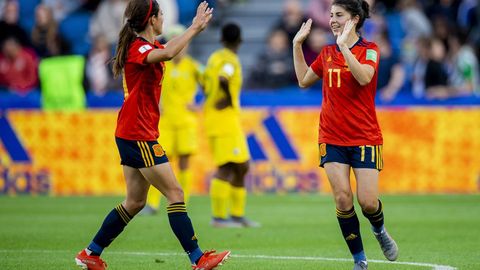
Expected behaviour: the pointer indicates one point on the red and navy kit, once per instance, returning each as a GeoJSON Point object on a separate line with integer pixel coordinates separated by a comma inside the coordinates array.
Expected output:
{"type": "Point", "coordinates": [137, 123]}
{"type": "Point", "coordinates": [139, 116]}
{"type": "Point", "coordinates": [348, 115]}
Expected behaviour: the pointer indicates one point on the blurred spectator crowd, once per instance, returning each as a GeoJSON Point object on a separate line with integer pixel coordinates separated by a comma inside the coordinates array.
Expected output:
{"type": "Point", "coordinates": [428, 47]}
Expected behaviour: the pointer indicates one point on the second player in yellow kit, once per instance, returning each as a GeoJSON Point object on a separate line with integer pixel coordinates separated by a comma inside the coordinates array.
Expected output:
{"type": "Point", "coordinates": [178, 122]}
{"type": "Point", "coordinates": [223, 83]}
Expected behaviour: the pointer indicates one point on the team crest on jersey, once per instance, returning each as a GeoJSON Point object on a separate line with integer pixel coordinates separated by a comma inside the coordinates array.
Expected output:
{"type": "Point", "coordinates": [145, 48]}
{"type": "Point", "coordinates": [158, 150]}
{"type": "Point", "coordinates": [322, 149]}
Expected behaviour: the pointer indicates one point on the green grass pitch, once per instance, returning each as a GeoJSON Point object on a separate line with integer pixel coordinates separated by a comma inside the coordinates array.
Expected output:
{"type": "Point", "coordinates": [299, 232]}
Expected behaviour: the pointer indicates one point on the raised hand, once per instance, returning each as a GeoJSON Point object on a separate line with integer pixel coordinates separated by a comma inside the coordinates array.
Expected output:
{"type": "Point", "coordinates": [302, 34]}
{"type": "Point", "coordinates": [203, 16]}
{"type": "Point", "coordinates": [343, 37]}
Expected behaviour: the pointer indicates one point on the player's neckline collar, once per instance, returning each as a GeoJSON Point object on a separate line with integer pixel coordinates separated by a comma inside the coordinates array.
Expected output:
{"type": "Point", "coordinates": [143, 39]}
{"type": "Point", "coordinates": [360, 39]}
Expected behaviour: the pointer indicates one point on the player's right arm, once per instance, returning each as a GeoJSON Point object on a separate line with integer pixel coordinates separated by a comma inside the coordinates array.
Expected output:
{"type": "Point", "coordinates": [305, 75]}
{"type": "Point", "coordinates": [225, 88]}
{"type": "Point", "coordinates": [175, 45]}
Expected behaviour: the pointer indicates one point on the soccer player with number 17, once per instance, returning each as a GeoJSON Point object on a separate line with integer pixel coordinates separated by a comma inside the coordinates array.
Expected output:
{"type": "Point", "coordinates": [349, 133]}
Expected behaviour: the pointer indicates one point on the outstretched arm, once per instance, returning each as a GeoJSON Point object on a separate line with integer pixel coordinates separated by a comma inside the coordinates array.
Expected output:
{"type": "Point", "coordinates": [174, 46]}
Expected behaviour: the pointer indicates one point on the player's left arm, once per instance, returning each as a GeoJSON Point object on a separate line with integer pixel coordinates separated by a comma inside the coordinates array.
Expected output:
{"type": "Point", "coordinates": [227, 70]}
{"type": "Point", "coordinates": [363, 73]}
{"type": "Point", "coordinates": [225, 88]}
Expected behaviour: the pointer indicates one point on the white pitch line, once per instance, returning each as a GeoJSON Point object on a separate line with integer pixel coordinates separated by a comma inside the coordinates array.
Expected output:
{"type": "Point", "coordinates": [259, 257]}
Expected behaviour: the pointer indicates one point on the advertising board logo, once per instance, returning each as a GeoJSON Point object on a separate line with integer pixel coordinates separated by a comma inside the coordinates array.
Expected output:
{"type": "Point", "coordinates": [18, 175]}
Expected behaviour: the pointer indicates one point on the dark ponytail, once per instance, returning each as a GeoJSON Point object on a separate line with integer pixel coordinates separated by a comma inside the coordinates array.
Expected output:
{"type": "Point", "coordinates": [355, 7]}
{"type": "Point", "coordinates": [366, 11]}
{"type": "Point", "coordinates": [136, 14]}
{"type": "Point", "coordinates": [126, 36]}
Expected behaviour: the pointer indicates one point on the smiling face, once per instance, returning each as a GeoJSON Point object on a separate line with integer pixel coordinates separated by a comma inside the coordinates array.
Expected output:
{"type": "Point", "coordinates": [338, 18]}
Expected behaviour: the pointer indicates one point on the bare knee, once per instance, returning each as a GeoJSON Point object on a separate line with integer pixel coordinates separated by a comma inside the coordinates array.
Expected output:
{"type": "Point", "coordinates": [240, 171]}
{"type": "Point", "coordinates": [133, 206]}
{"type": "Point", "coordinates": [175, 194]}
{"type": "Point", "coordinates": [369, 205]}
{"type": "Point", "coordinates": [344, 200]}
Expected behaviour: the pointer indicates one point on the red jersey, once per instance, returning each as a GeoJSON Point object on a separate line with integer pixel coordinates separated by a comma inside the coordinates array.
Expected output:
{"type": "Point", "coordinates": [142, 84]}
{"type": "Point", "coordinates": [348, 115]}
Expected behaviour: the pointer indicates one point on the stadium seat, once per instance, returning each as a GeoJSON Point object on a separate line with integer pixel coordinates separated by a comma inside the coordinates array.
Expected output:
{"type": "Point", "coordinates": [26, 13]}
{"type": "Point", "coordinates": [74, 29]}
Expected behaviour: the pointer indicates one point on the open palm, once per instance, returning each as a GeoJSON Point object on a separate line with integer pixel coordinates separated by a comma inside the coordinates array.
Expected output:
{"type": "Point", "coordinates": [302, 34]}
{"type": "Point", "coordinates": [343, 37]}
{"type": "Point", "coordinates": [203, 16]}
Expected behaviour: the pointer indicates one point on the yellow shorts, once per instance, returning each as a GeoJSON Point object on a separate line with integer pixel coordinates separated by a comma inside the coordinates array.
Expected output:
{"type": "Point", "coordinates": [229, 148]}
{"type": "Point", "coordinates": [179, 140]}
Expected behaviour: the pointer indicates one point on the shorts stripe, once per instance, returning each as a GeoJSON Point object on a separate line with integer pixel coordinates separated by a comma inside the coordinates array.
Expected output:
{"type": "Point", "coordinates": [381, 156]}
{"type": "Point", "coordinates": [377, 161]}
{"type": "Point", "coordinates": [149, 153]}
{"type": "Point", "coordinates": [145, 160]}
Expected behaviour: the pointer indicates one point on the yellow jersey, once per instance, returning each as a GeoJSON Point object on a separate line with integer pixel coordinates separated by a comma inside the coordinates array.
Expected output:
{"type": "Point", "coordinates": [179, 89]}
{"type": "Point", "coordinates": [222, 62]}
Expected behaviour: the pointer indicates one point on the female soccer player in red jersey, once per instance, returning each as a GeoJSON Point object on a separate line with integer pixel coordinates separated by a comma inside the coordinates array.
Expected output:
{"type": "Point", "coordinates": [349, 134]}
{"type": "Point", "coordinates": [139, 59]}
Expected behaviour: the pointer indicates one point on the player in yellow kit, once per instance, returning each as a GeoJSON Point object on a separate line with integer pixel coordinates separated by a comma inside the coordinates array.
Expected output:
{"type": "Point", "coordinates": [223, 82]}
{"type": "Point", "coordinates": [178, 123]}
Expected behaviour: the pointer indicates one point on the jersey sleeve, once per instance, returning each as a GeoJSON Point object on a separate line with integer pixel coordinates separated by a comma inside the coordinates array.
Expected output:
{"type": "Point", "coordinates": [227, 69]}
{"type": "Point", "coordinates": [317, 65]}
{"type": "Point", "coordinates": [139, 51]}
{"type": "Point", "coordinates": [371, 57]}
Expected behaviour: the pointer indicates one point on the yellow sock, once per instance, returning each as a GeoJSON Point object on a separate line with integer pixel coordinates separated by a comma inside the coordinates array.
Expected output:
{"type": "Point", "coordinates": [238, 201]}
{"type": "Point", "coordinates": [153, 198]}
{"type": "Point", "coordinates": [185, 179]}
{"type": "Point", "coordinates": [219, 196]}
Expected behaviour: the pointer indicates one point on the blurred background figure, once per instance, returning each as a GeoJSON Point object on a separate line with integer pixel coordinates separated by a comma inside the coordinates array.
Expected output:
{"type": "Point", "coordinates": [319, 11]}
{"type": "Point", "coordinates": [9, 24]}
{"type": "Point", "coordinates": [18, 67]}
{"type": "Point", "coordinates": [422, 47]}
{"type": "Point", "coordinates": [62, 8]}
{"type": "Point", "coordinates": [171, 13]}
{"type": "Point", "coordinates": [415, 22]}
{"type": "Point", "coordinates": [317, 39]}
{"type": "Point", "coordinates": [376, 24]}
{"type": "Point", "coordinates": [391, 72]}
{"type": "Point", "coordinates": [274, 66]}
{"type": "Point", "coordinates": [46, 38]}
{"type": "Point", "coordinates": [463, 65]}
{"type": "Point", "coordinates": [291, 19]}
{"type": "Point", "coordinates": [98, 72]}
{"type": "Point", "coordinates": [228, 144]}
{"type": "Point", "coordinates": [436, 77]}
{"type": "Point", "coordinates": [108, 20]}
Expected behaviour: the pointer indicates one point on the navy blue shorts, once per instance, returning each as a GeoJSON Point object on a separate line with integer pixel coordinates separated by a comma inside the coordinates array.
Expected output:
{"type": "Point", "coordinates": [363, 156]}
{"type": "Point", "coordinates": [140, 154]}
